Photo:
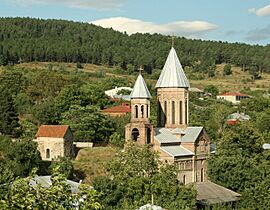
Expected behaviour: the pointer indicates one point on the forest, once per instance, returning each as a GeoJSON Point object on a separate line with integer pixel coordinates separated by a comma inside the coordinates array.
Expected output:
{"type": "Point", "coordinates": [28, 40]}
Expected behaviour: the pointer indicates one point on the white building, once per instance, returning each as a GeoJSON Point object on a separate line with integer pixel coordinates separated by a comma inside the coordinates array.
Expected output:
{"type": "Point", "coordinates": [234, 97]}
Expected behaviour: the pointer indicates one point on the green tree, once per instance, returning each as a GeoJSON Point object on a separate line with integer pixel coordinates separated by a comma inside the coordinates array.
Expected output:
{"type": "Point", "coordinates": [138, 177]}
{"type": "Point", "coordinates": [22, 156]}
{"type": "Point", "coordinates": [88, 124]}
{"type": "Point", "coordinates": [47, 112]}
{"type": "Point", "coordinates": [16, 159]}
{"type": "Point", "coordinates": [227, 69]}
{"type": "Point", "coordinates": [212, 90]}
{"type": "Point", "coordinates": [21, 195]}
{"type": "Point", "coordinates": [263, 121]}
{"type": "Point", "coordinates": [235, 163]}
{"type": "Point", "coordinates": [116, 140]}
{"type": "Point", "coordinates": [257, 197]}
{"type": "Point", "coordinates": [218, 118]}
{"type": "Point", "coordinates": [9, 122]}
{"type": "Point", "coordinates": [65, 166]}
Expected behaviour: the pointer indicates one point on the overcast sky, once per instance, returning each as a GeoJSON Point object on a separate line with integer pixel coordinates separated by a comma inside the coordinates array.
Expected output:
{"type": "Point", "coordinates": [226, 20]}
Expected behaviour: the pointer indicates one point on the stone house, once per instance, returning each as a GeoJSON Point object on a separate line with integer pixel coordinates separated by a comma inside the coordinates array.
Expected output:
{"type": "Point", "coordinates": [54, 141]}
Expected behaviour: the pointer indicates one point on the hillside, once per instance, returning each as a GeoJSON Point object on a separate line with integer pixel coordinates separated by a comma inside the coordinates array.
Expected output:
{"type": "Point", "coordinates": [27, 40]}
{"type": "Point", "coordinates": [235, 82]}
{"type": "Point", "coordinates": [92, 161]}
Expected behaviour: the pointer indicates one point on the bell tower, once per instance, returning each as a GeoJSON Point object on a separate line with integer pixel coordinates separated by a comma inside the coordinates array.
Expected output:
{"type": "Point", "coordinates": [172, 92]}
{"type": "Point", "coordinates": [140, 129]}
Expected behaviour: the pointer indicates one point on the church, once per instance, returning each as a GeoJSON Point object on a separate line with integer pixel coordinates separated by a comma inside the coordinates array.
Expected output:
{"type": "Point", "coordinates": [172, 138]}
{"type": "Point", "coordinates": [176, 142]}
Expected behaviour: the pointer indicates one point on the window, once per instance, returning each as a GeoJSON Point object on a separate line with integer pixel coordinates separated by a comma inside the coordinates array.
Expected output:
{"type": "Point", "coordinates": [188, 165]}
{"type": "Point", "coordinates": [48, 154]}
{"type": "Point", "coordinates": [184, 179]}
{"type": "Point", "coordinates": [180, 112]}
{"type": "Point", "coordinates": [184, 165]}
{"type": "Point", "coordinates": [202, 162]}
{"type": "Point", "coordinates": [142, 111]}
{"type": "Point", "coordinates": [136, 111]}
{"type": "Point", "coordinates": [173, 112]}
{"type": "Point", "coordinates": [147, 107]}
{"type": "Point", "coordinates": [202, 175]}
{"type": "Point", "coordinates": [159, 114]}
{"type": "Point", "coordinates": [165, 112]}
{"type": "Point", "coordinates": [202, 146]}
{"type": "Point", "coordinates": [148, 139]}
{"type": "Point", "coordinates": [186, 112]}
{"type": "Point", "coordinates": [181, 165]}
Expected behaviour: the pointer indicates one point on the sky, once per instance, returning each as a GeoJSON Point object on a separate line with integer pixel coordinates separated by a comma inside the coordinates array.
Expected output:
{"type": "Point", "coordinates": [245, 21]}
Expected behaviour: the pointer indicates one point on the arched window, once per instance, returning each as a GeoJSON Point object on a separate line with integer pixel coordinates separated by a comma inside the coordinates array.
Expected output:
{"type": "Point", "coordinates": [159, 114]}
{"type": "Point", "coordinates": [147, 111]}
{"type": "Point", "coordinates": [180, 112]}
{"type": "Point", "coordinates": [165, 112]}
{"type": "Point", "coordinates": [142, 111]}
{"type": "Point", "coordinates": [48, 153]}
{"type": "Point", "coordinates": [202, 146]}
{"type": "Point", "coordinates": [184, 179]}
{"type": "Point", "coordinates": [136, 111]}
{"type": "Point", "coordinates": [173, 112]}
{"type": "Point", "coordinates": [148, 136]}
{"type": "Point", "coordinates": [186, 112]}
{"type": "Point", "coordinates": [135, 134]}
{"type": "Point", "coordinates": [202, 175]}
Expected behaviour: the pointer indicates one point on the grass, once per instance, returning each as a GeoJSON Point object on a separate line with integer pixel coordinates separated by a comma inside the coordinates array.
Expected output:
{"type": "Point", "coordinates": [91, 161]}
{"type": "Point", "coordinates": [235, 82]}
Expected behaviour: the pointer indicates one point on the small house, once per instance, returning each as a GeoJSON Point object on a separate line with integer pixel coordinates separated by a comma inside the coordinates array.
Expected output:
{"type": "Point", "coordinates": [234, 97]}
{"type": "Point", "coordinates": [236, 117]}
{"type": "Point", "coordinates": [119, 110]}
{"type": "Point", "coordinates": [54, 141]}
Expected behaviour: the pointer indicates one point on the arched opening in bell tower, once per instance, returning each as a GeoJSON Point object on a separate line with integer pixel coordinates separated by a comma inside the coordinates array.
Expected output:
{"type": "Point", "coordinates": [173, 112]}
{"type": "Point", "coordinates": [148, 136]}
{"type": "Point", "coordinates": [136, 111]}
{"type": "Point", "coordinates": [165, 112]}
{"type": "Point", "coordinates": [142, 111]}
{"type": "Point", "coordinates": [180, 112]}
{"type": "Point", "coordinates": [135, 134]}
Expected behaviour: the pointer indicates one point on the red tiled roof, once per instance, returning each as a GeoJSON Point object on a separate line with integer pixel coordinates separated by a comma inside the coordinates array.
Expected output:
{"type": "Point", "coordinates": [56, 131]}
{"type": "Point", "coordinates": [123, 108]}
{"type": "Point", "coordinates": [233, 94]}
{"type": "Point", "coordinates": [232, 121]}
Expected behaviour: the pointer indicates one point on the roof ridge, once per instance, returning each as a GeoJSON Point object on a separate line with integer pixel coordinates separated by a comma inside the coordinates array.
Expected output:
{"type": "Point", "coordinates": [57, 131]}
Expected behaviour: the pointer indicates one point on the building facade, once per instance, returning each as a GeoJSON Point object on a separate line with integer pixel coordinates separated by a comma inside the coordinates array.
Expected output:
{"type": "Point", "coordinates": [233, 97]}
{"type": "Point", "coordinates": [175, 141]}
{"type": "Point", "coordinates": [54, 141]}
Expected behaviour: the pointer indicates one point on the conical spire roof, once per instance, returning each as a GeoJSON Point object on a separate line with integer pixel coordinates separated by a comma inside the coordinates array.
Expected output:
{"type": "Point", "coordinates": [140, 89]}
{"type": "Point", "coordinates": [172, 74]}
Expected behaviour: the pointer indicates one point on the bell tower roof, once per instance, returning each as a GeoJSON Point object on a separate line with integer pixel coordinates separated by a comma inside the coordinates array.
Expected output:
{"type": "Point", "coordinates": [140, 89]}
{"type": "Point", "coordinates": [172, 74]}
